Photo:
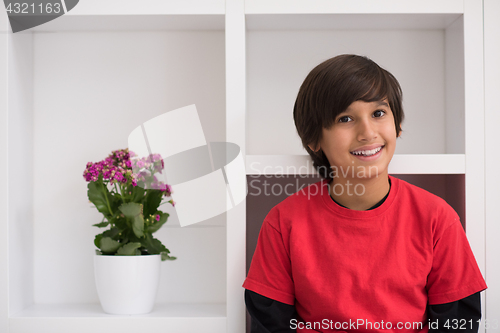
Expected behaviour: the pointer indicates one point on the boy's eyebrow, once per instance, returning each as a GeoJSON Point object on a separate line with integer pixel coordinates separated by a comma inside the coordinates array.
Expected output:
{"type": "Point", "coordinates": [382, 103]}
{"type": "Point", "coordinates": [379, 103]}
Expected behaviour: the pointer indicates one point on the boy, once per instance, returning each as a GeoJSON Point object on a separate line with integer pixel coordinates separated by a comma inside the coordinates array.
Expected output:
{"type": "Point", "coordinates": [361, 250]}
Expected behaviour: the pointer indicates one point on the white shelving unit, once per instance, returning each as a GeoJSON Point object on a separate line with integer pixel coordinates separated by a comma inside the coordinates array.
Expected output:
{"type": "Point", "coordinates": [75, 87]}
{"type": "Point", "coordinates": [492, 122]}
{"type": "Point", "coordinates": [435, 50]}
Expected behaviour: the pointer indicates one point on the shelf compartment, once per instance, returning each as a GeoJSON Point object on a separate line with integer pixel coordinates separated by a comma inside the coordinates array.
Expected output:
{"type": "Point", "coordinates": [425, 52]}
{"type": "Point", "coordinates": [260, 201]}
{"type": "Point", "coordinates": [262, 197]}
{"type": "Point", "coordinates": [400, 164]}
{"type": "Point", "coordinates": [74, 97]}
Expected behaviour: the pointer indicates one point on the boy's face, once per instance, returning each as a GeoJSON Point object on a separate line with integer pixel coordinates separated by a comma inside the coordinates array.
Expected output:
{"type": "Point", "coordinates": [362, 138]}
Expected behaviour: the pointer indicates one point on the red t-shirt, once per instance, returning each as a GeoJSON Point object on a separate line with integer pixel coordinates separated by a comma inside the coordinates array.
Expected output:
{"type": "Point", "coordinates": [369, 269]}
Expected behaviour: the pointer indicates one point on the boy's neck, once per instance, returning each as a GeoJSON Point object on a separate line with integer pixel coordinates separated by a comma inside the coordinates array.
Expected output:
{"type": "Point", "coordinates": [349, 191]}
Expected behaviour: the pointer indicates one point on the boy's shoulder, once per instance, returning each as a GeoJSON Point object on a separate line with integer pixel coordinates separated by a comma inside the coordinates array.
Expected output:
{"type": "Point", "coordinates": [421, 199]}
{"type": "Point", "coordinates": [420, 194]}
{"type": "Point", "coordinates": [303, 199]}
{"type": "Point", "coordinates": [302, 203]}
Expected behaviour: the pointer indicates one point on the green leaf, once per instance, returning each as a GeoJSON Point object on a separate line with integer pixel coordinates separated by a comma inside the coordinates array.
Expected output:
{"type": "Point", "coordinates": [119, 221]}
{"type": "Point", "coordinates": [101, 225]}
{"type": "Point", "coordinates": [152, 201]}
{"type": "Point", "coordinates": [165, 256]}
{"type": "Point", "coordinates": [111, 233]}
{"type": "Point", "coordinates": [133, 211]}
{"type": "Point", "coordinates": [109, 245]}
{"type": "Point", "coordinates": [158, 224]}
{"type": "Point", "coordinates": [153, 245]}
{"type": "Point", "coordinates": [137, 194]}
{"type": "Point", "coordinates": [97, 193]}
{"type": "Point", "coordinates": [97, 240]}
{"type": "Point", "coordinates": [98, 252]}
{"type": "Point", "coordinates": [129, 249]}
{"type": "Point", "coordinates": [138, 226]}
{"type": "Point", "coordinates": [129, 236]}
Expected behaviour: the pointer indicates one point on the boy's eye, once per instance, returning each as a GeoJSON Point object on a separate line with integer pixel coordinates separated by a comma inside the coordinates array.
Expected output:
{"type": "Point", "coordinates": [346, 119]}
{"type": "Point", "coordinates": [343, 119]}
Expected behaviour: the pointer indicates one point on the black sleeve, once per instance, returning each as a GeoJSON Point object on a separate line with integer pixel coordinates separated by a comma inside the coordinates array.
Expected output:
{"type": "Point", "coordinates": [460, 316]}
{"type": "Point", "coordinates": [268, 315]}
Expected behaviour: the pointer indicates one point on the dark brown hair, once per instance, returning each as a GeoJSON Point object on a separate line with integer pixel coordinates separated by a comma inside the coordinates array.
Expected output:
{"type": "Point", "coordinates": [330, 88]}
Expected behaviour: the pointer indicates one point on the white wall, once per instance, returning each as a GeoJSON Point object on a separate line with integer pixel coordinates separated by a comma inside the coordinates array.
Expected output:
{"type": "Point", "coordinates": [20, 157]}
{"type": "Point", "coordinates": [279, 61]}
{"type": "Point", "coordinates": [90, 91]}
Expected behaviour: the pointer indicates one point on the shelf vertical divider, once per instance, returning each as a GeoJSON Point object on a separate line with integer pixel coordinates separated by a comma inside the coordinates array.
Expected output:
{"type": "Point", "coordinates": [235, 133]}
{"type": "Point", "coordinates": [4, 195]}
{"type": "Point", "coordinates": [474, 132]}
{"type": "Point", "coordinates": [492, 159]}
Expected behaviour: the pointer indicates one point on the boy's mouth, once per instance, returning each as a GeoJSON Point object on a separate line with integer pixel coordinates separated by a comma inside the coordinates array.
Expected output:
{"type": "Point", "coordinates": [367, 152]}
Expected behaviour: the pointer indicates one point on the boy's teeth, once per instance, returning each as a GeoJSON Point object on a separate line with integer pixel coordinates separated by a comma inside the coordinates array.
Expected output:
{"type": "Point", "coordinates": [367, 152]}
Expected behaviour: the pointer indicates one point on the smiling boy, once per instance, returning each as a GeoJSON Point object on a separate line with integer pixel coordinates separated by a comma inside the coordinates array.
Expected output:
{"type": "Point", "coordinates": [360, 246]}
{"type": "Point", "coordinates": [363, 139]}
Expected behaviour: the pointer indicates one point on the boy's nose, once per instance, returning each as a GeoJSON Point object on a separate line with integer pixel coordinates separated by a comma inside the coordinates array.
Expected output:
{"type": "Point", "coordinates": [366, 130]}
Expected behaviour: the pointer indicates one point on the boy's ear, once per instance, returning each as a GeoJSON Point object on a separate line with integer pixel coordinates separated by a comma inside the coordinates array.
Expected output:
{"type": "Point", "coordinates": [314, 149]}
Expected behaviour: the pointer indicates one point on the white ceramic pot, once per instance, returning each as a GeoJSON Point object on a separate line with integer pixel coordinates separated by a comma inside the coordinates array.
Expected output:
{"type": "Point", "coordinates": [127, 284]}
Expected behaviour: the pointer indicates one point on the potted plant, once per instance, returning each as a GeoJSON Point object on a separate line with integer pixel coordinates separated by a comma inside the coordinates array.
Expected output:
{"type": "Point", "coordinates": [127, 260]}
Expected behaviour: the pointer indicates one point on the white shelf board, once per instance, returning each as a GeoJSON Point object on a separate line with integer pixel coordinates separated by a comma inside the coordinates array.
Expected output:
{"type": "Point", "coordinates": [146, 7]}
{"type": "Point", "coordinates": [193, 226]}
{"type": "Point", "coordinates": [400, 164]}
{"type": "Point", "coordinates": [139, 22]}
{"type": "Point", "coordinates": [352, 6]}
{"type": "Point", "coordinates": [84, 318]}
{"type": "Point", "coordinates": [427, 164]}
{"type": "Point", "coordinates": [350, 21]}
{"type": "Point", "coordinates": [94, 310]}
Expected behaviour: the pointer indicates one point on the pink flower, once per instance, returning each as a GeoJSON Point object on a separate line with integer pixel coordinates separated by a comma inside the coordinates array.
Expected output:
{"type": "Point", "coordinates": [167, 189]}
{"type": "Point", "coordinates": [118, 176]}
{"type": "Point", "coordinates": [157, 217]}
